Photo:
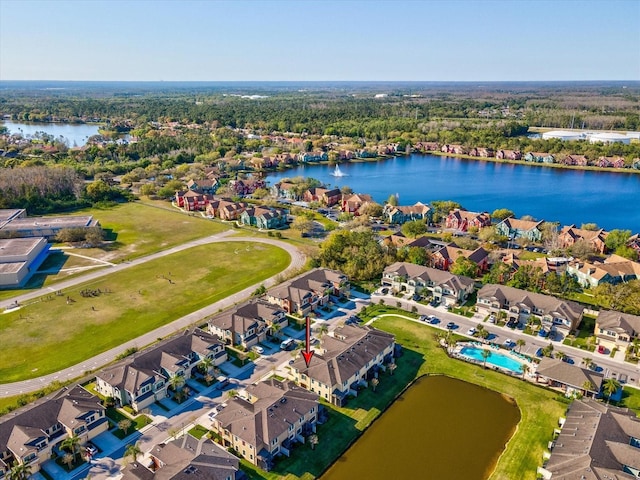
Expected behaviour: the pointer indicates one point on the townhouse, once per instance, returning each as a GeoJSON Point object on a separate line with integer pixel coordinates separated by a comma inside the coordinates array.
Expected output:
{"type": "Point", "coordinates": [463, 219]}
{"type": "Point", "coordinates": [347, 358]}
{"type": "Point", "coordinates": [539, 157]}
{"type": "Point", "coordinates": [204, 186]}
{"type": "Point", "coordinates": [616, 329]}
{"type": "Point", "coordinates": [248, 324]}
{"type": "Point", "coordinates": [596, 441]}
{"type": "Point", "coordinates": [142, 379]}
{"type": "Point", "coordinates": [183, 458]}
{"type": "Point", "coordinates": [416, 279]}
{"type": "Point", "coordinates": [353, 203]}
{"type": "Point", "coordinates": [309, 291]}
{"type": "Point", "coordinates": [615, 269]}
{"type": "Point", "coordinates": [225, 209]}
{"type": "Point", "coordinates": [31, 435]}
{"type": "Point", "coordinates": [519, 305]}
{"type": "Point", "coordinates": [509, 154]}
{"type": "Point", "coordinates": [446, 256]}
{"type": "Point", "coordinates": [263, 217]}
{"type": "Point", "coordinates": [401, 214]}
{"type": "Point", "coordinates": [193, 201]}
{"type": "Point", "coordinates": [325, 196]}
{"type": "Point", "coordinates": [265, 420]}
{"type": "Point", "coordinates": [514, 228]}
{"type": "Point", "coordinates": [570, 234]}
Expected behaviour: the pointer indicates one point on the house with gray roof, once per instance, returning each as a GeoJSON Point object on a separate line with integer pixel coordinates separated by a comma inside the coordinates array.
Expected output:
{"type": "Point", "coordinates": [48, 227]}
{"type": "Point", "coordinates": [186, 458]}
{"type": "Point", "coordinates": [143, 378]}
{"type": "Point", "coordinates": [249, 323]}
{"type": "Point", "coordinates": [32, 434]}
{"type": "Point", "coordinates": [571, 378]}
{"type": "Point", "coordinates": [416, 279]}
{"type": "Point", "coordinates": [266, 420]}
{"type": "Point", "coordinates": [515, 228]}
{"type": "Point", "coordinates": [616, 329]}
{"type": "Point", "coordinates": [596, 442]}
{"type": "Point", "coordinates": [309, 291]}
{"type": "Point", "coordinates": [556, 314]}
{"type": "Point", "coordinates": [348, 357]}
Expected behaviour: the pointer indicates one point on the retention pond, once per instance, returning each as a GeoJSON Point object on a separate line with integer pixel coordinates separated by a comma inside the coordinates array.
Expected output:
{"type": "Point", "coordinates": [439, 428]}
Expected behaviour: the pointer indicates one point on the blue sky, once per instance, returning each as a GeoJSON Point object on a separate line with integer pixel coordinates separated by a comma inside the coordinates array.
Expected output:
{"type": "Point", "coordinates": [452, 40]}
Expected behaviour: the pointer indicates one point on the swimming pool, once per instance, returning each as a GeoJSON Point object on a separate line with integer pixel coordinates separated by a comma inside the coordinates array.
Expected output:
{"type": "Point", "coordinates": [496, 358]}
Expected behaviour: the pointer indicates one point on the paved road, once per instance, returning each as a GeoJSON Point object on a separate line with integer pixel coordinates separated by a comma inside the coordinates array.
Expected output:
{"type": "Point", "coordinates": [17, 388]}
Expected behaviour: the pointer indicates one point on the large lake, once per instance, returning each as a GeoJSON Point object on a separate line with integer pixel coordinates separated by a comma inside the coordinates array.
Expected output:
{"type": "Point", "coordinates": [73, 134]}
{"type": "Point", "coordinates": [439, 428]}
{"type": "Point", "coordinates": [612, 200]}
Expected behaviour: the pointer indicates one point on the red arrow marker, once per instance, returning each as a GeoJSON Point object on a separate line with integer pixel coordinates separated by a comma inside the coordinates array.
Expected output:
{"type": "Point", "coordinates": [307, 354]}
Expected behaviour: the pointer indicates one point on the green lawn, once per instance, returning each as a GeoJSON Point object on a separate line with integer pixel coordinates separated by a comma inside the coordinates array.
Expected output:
{"type": "Point", "coordinates": [540, 408]}
{"type": "Point", "coordinates": [54, 333]}
{"type": "Point", "coordinates": [198, 431]}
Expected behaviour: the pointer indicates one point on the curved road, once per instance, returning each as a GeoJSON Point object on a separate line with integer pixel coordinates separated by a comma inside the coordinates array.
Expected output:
{"type": "Point", "coordinates": [25, 386]}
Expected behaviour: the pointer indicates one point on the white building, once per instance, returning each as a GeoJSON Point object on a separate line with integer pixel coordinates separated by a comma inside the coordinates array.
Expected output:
{"type": "Point", "coordinates": [563, 135]}
{"type": "Point", "coordinates": [20, 258]}
{"type": "Point", "coordinates": [609, 137]}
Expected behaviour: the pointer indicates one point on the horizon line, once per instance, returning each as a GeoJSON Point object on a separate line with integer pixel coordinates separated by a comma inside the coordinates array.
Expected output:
{"type": "Point", "coordinates": [324, 81]}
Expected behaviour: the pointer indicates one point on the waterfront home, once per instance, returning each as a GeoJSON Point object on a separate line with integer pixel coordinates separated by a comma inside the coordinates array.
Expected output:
{"type": "Point", "coordinates": [20, 258]}
{"type": "Point", "coordinates": [285, 190]}
{"type": "Point", "coordinates": [352, 203]}
{"type": "Point", "coordinates": [266, 420]}
{"type": "Point", "coordinates": [246, 187]}
{"type": "Point", "coordinates": [142, 379]}
{"type": "Point", "coordinates": [615, 269]}
{"type": "Point", "coordinates": [446, 256]}
{"type": "Point", "coordinates": [509, 154]}
{"type": "Point", "coordinates": [33, 434]}
{"type": "Point", "coordinates": [481, 152]}
{"type": "Point", "coordinates": [596, 441]}
{"type": "Point", "coordinates": [426, 147]}
{"type": "Point", "coordinates": [185, 457]}
{"type": "Point", "coordinates": [578, 160]}
{"type": "Point", "coordinates": [571, 234]}
{"type": "Point", "coordinates": [519, 305]}
{"type": "Point", "coordinates": [455, 149]}
{"type": "Point", "coordinates": [327, 197]}
{"type": "Point", "coordinates": [408, 278]}
{"type": "Point", "coordinates": [248, 324]}
{"type": "Point", "coordinates": [347, 358]}
{"type": "Point", "coordinates": [401, 214]}
{"type": "Point", "coordinates": [366, 153]}
{"type": "Point", "coordinates": [611, 162]}
{"type": "Point", "coordinates": [264, 217]}
{"type": "Point", "coordinates": [572, 379]}
{"type": "Point", "coordinates": [514, 228]}
{"type": "Point", "coordinates": [616, 329]}
{"type": "Point", "coordinates": [462, 220]}
{"type": "Point", "coordinates": [538, 157]}
{"type": "Point", "coordinates": [205, 186]}
{"type": "Point", "coordinates": [315, 156]}
{"type": "Point", "coordinates": [309, 291]}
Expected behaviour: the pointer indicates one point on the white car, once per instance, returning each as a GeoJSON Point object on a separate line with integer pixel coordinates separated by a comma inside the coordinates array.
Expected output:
{"type": "Point", "coordinates": [258, 349]}
{"type": "Point", "coordinates": [508, 343]}
{"type": "Point", "coordinates": [471, 332]}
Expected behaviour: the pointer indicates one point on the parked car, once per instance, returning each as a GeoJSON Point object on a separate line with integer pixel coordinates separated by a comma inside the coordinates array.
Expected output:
{"type": "Point", "coordinates": [508, 343]}
{"type": "Point", "coordinates": [492, 319]}
{"type": "Point", "coordinates": [384, 291]}
{"type": "Point", "coordinates": [568, 360]}
{"type": "Point", "coordinates": [433, 320]}
{"type": "Point", "coordinates": [91, 449]}
{"type": "Point", "coordinates": [471, 332]}
{"type": "Point", "coordinates": [601, 349]}
{"type": "Point", "coordinates": [288, 344]}
{"type": "Point", "coordinates": [423, 318]}
{"type": "Point", "coordinates": [543, 333]}
{"type": "Point", "coordinates": [258, 349]}
{"type": "Point", "coordinates": [451, 326]}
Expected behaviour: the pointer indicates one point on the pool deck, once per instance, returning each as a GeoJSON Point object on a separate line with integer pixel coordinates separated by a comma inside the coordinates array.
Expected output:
{"type": "Point", "coordinates": [518, 357]}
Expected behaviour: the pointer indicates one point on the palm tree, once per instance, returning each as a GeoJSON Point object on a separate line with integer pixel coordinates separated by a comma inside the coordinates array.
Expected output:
{"type": "Point", "coordinates": [313, 441]}
{"type": "Point", "coordinates": [323, 330]}
{"type": "Point", "coordinates": [392, 366]}
{"type": "Point", "coordinates": [275, 330]}
{"type": "Point", "coordinates": [72, 444]}
{"type": "Point", "coordinates": [611, 386]}
{"type": "Point", "coordinates": [485, 354]}
{"type": "Point", "coordinates": [19, 471]}
{"type": "Point", "coordinates": [525, 369]}
{"type": "Point", "coordinates": [176, 382]}
{"type": "Point", "coordinates": [520, 343]}
{"type": "Point", "coordinates": [588, 386]}
{"type": "Point", "coordinates": [374, 383]}
{"type": "Point", "coordinates": [205, 365]}
{"type": "Point", "coordinates": [133, 450]}
{"type": "Point", "coordinates": [587, 361]}
{"type": "Point", "coordinates": [560, 355]}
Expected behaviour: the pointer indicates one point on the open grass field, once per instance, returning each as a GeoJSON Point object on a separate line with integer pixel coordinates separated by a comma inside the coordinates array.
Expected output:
{"type": "Point", "coordinates": [132, 230]}
{"type": "Point", "coordinates": [55, 332]}
{"type": "Point", "coordinates": [540, 408]}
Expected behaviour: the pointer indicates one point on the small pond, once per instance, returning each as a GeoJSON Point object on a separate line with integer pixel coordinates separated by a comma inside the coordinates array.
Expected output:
{"type": "Point", "coordinates": [439, 428]}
